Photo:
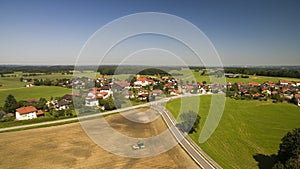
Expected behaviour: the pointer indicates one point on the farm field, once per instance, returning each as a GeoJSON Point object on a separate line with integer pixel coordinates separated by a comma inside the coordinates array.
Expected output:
{"type": "Point", "coordinates": [24, 93]}
{"type": "Point", "coordinates": [247, 131]}
{"type": "Point", "coordinates": [67, 146]}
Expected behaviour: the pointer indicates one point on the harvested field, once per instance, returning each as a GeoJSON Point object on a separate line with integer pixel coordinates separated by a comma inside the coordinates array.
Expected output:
{"type": "Point", "coordinates": [68, 146]}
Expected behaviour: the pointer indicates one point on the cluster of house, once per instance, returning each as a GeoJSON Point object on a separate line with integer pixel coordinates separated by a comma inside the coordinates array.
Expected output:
{"type": "Point", "coordinates": [31, 112]}
{"type": "Point", "coordinates": [144, 89]}
{"type": "Point", "coordinates": [62, 104]}
{"type": "Point", "coordinates": [141, 89]}
{"type": "Point", "coordinates": [283, 89]}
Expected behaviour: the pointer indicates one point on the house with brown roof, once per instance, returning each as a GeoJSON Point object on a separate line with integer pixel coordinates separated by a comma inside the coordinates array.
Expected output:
{"type": "Point", "coordinates": [26, 113]}
{"type": "Point", "coordinates": [62, 104]}
{"type": "Point", "coordinates": [120, 85]}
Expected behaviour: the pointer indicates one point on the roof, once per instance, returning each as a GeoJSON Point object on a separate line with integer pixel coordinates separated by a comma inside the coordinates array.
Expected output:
{"type": "Point", "coordinates": [67, 96]}
{"type": "Point", "coordinates": [297, 96]}
{"type": "Point", "coordinates": [157, 91]}
{"type": "Point", "coordinates": [257, 95]}
{"type": "Point", "coordinates": [33, 100]}
{"type": "Point", "coordinates": [103, 93]}
{"type": "Point", "coordinates": [122, 83]}
{"type": "Point", "coordinates": [284, 81]}
{"type": "Point", "coordinates": [63, 102]}
{"type": "Point", "coordinates": [143, 79]}
{"type": "Point", "coordinates": [254, 84]}
{"type": "Point", "coordinates": [105, 88]}
{"type": "Point", "coordinates": [189, 87]}
{"type": "Point", "coordinates": [39, 112]}
{"type": "Point", "coordinates": [25, 110]}
{"type": "Point", "coordinates": [285, 90]}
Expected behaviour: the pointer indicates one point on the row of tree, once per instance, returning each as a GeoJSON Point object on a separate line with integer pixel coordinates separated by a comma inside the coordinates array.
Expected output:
{"type": "Point", "coordinates": [275, 71]}
{"type": "Point", "coordinates": [7, 69]}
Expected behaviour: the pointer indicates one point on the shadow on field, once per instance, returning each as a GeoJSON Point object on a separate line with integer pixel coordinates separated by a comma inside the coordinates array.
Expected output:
{"type": "Point", "coordinates": [265, 161]}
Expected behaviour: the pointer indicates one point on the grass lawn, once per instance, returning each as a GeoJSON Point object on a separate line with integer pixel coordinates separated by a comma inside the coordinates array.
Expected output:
{"type": "Point", "coordinates": [24, 93]}
{"type": "Point", "coordinates": [247, 128]}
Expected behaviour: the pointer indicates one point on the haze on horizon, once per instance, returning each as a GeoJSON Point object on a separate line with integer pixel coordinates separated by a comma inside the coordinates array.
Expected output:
{"type": "Point", "coordinates": [243, 32]}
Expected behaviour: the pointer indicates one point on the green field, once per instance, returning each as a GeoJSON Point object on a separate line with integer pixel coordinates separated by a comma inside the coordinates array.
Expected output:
{"type": "Point", "coordinates": [247, 129]}
{"type": "Point", "coordinates": [196, 76]}
{"type": "Point", "coordinates": [24, 93]}
{"type": "Point", "coordinates": [14, 82]}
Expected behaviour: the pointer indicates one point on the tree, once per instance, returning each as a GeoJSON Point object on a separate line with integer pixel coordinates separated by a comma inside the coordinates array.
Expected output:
{"type": "Point", "coordinates": [119, 99]}
{"type": "Point", "coordinates": [289, 151]}
{"type": "Point", "coordinates": [109, 104]}
{"type": "Point", "coordinates": [290, 145]}
{"type": "Point", "coordinates": [10, 104]}
{"type": "Point", "coordinates": [41, 104]}
{"type": "Point", "coordinates": [190, 122]}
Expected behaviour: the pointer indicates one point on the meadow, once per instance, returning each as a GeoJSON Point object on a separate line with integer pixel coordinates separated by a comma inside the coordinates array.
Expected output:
{"type": "Point", "coordinates": [13, 85]}
{"type": "Point", "coordinates": [248, 133]}
{"type": "Point", "coordinates": [189, 75]}
{"type": "Point", "coordinates": [37, 92]}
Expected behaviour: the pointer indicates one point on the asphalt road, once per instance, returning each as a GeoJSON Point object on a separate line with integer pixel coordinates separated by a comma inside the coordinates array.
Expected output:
{"type": "Point", "coordinates": [195, 152]}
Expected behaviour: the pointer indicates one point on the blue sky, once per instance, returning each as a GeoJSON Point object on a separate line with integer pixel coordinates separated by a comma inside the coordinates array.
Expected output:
{"type": "Point", "coordinates": [243, 32]}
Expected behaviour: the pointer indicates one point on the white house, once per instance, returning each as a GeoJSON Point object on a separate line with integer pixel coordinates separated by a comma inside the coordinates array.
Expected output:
{"type": "Point", "coordinates": [284, 82]}
{"type": "Point", "coordinates": [26, 113]}
{"type": "Point", "coordinates": [91, 101]}
{"type": "Point", "coordinates": [141, 81]}
{"type": "Point", "coordinates": [63, 104]}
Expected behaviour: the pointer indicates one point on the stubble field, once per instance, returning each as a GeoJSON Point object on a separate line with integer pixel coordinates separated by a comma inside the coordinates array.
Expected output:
{"type": "Point", "coordinates": [68, 146]}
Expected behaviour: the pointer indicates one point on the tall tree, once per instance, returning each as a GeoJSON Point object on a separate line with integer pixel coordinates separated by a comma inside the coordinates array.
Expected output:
{"type": "Point", "coordinates": [10, 104]}
{"type": "Point", "coordinates": [190, 122]}
{"type": "Point", "coordinates": [289, 151]}
{"type": "Point", "coordinates": [290, 145]}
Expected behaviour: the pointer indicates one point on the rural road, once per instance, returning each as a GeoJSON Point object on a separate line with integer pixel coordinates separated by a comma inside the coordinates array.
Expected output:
{"type": "Point", "coordinates": [194, 151]}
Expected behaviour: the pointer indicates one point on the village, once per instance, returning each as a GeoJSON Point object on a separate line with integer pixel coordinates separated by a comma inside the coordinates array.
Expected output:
{"type": "Point", "coordinates": [106, 93]}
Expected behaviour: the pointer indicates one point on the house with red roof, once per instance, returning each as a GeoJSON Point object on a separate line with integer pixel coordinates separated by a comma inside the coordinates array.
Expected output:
{"type": "Point", "coordinates": [143, 81]}
{"type": "Point", "coordinates": [254, 84]}
{"type": "Point", "coordinates": [284, 82]}
{"type": "Point", "coordinates": [26, 113]}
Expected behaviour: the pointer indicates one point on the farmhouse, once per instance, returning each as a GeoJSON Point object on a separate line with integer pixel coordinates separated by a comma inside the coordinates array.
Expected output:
{"type": "Point", "coordinates": [63, 104]}
{"type": "Point", "coordinates": [284, 82]}
{"type": "Point", "coordinates": [143, 81]}
{"type": "Point", "coordinates": [26, 113]}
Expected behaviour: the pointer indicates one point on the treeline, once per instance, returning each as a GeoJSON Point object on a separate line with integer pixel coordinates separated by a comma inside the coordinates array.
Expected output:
{"type": "Point", "coordinates": [142, 70]}
{"type": "Point", "coordinates": [8, 69]}
{"type": "Point", "coordinates": [273, 71]}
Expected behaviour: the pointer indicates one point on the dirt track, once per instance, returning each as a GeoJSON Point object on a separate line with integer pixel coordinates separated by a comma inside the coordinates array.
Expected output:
{"type": "Point", "coordinates": [67, 146]}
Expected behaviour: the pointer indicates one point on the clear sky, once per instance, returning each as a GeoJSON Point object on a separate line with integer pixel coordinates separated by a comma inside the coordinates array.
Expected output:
{"type": "Point", "coordinates": [243, 32]}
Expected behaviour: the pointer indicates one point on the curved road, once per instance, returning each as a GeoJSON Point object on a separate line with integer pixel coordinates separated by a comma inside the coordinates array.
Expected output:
{"type": "Point", "coordinates": [194, 151]}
